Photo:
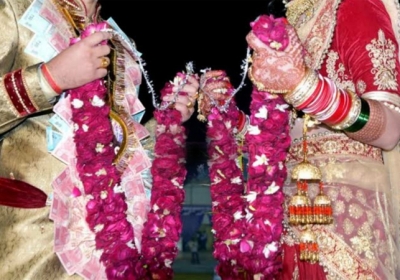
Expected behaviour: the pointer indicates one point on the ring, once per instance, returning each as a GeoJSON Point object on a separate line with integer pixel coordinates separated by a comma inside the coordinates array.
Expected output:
{"type": "Point", "coordinates": [104, 62]}
{"type": "Point", "coordinates": [190, 104]}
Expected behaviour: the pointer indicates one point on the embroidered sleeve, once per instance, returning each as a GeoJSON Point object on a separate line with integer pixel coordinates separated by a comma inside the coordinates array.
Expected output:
{"type": "Point", "coordinates": [21, 93]}
{"type": "Point", "coordinates": [367, 46]}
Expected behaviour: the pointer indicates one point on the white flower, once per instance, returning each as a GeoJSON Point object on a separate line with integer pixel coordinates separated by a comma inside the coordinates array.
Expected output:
{"type": "Point", "coordinates": [273, 188]}
{"type": "Point", "coordinates": [97, 102]}
{"type": "Point", "coordinates": [249, 215]}
{"type": "Point", "coordinates": [260, 160]}
{"type": "Point", "coordinates": [103, 194]}
{"type": "Point", "coordinates": [85, 128]}
{"type": "Point", "coordinates": [168, 263]}
{"type": "Point", "coordinates": [175, 182]}
{"type": "Point", "coordinates": [77, 103]}
{"type": "Point", "coordinates": [216, 180]}
{"type": "Point", "coordinates": [281, 107]}
{"type": "Point", "coordinates": [177, 81]}
{"type": "Point", "coordinates": [99, 148]}
{"type": "Point", "coordinates": [262, 113]}
{"type": "Point", "coordinates": [275, 45]}
{"type": "Point", "coordinates": [253, 130]}
{"type": "Point", "coordinates": [76, 127]}
{"type": "Point", "coordinates": [280, 165]}
{"type": "Point", "coordinates": [98, 228]}
{"type": "Point", "coordinates": [155, 207]}
{"type": "Point", "coordinates": [118, 189]}
{"type": "Point", "coordinates": [272, 247]}
{"type": "Point", "coordinates": [238, 215]}
{"type": "Point", "coordinates": [236, 180]}
{"type": "Point", "coordinates": [251, 196]}
{"type": "Point", "coordinates": [228, 124]}
{"type": "Point", "coordinates": [130, 245]}
{"type": "Point", "coordinates": [101, 172]}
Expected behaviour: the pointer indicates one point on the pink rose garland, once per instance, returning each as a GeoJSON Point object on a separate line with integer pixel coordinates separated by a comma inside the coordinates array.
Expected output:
{"type": "Point", "coordinates": [271, 31]}
{"type": "Point", "coordinates": [247, 221]}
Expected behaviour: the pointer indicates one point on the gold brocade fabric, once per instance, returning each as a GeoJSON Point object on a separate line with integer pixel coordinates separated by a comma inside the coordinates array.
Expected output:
{"type": "Point", "coordinates": [26, 243]}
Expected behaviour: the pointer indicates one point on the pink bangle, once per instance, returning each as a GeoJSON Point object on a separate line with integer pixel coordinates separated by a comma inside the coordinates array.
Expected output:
{"type": "Point", "coordinates": [49, 79]}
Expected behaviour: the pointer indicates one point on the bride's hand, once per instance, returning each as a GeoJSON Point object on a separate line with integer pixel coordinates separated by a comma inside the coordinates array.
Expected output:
{"type": "Point", "coordinates": [278, 56]}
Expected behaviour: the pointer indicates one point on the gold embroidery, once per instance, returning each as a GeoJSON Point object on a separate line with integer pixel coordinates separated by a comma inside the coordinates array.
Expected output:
{"type": "Point", "coordinates": [318, 40]}
{"type": "Point", "coordinates": [370, 217]}
{"type": "Point", "coordinates": [361, 86]}
{"type": "Point", "coordinates": [361, 197]}
{"type": "Point", "coordinates": [334, 143]}
{"type": "Point", "coordinates": [338, 75]}
{"type": "Point", "coordinates": [348, 226]}
{"type": "Point", "coordinates": [339, 260]}
{"type": "Point", "coordinates": [382, 52]}
{"type": "Point", "coordinates": [333, 193]}
{"type": "Point", "coordinates": [362, 243]}
{"type": "Point", "coordinates": [355, 211]}
{"type": "Point", "coordinates": [338, 207]}
{"type": "Point", "coordinates": [301, 11]}
{"type": "Point", "coordinates": [346, 193]}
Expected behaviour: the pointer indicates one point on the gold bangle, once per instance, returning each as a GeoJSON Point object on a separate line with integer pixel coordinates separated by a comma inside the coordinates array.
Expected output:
{"type": "Point", "coordinates": [303, 89]}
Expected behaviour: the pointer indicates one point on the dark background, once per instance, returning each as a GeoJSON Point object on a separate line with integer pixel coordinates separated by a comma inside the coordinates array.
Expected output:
{"type": "Point", "coordinates": [171, 33]}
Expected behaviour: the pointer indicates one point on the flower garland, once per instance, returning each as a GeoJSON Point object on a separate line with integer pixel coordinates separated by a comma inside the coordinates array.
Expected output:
{"type": "Point", "coordinates": [247, 218]}
{"type": "Point", "coordinates": [106, 208]}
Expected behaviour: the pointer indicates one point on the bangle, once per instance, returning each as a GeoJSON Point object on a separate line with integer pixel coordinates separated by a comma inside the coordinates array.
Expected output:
{"type": "Point", "coordinates": [49, 79]}
{"type": "Point", "coordinates": [353, 112]}
{"type": "Point", "coordinates": [242, 125]}
{"type": "Point", "coordinates": [304, 89]}
{"type": "Point", "coordinates": [374, 127]}
{"type": "Point", "coordinates": [362, 119]}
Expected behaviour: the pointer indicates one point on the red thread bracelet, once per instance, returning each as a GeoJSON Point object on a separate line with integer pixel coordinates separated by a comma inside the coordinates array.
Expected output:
{"type": "Point", "coordinates": [49, 79]}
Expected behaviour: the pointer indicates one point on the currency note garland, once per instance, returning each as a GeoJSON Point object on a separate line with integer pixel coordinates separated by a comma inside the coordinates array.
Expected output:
{"type": "Point", "coordinates": [106, 207]}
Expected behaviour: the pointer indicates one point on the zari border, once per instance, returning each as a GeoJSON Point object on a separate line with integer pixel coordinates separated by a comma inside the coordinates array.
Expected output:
{"type": "Point", "coordinates": [337, 257]}
{"type": "Point", "coordinates": [318, 41]}
{"type": "Point", "coordinates": [17, 93]}
{"type": "Point", "coordinates": [8, 100]}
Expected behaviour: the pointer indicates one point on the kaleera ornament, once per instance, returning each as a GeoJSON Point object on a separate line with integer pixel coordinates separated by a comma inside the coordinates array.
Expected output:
{"type": "Point", "coordinates": [322, 207]}
{"type": "Point", "coordinates": [308, 246]}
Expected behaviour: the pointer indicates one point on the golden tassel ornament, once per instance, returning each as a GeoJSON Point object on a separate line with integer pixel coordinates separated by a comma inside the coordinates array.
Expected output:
{"type": "Point", "coordinates": [322, 208]}
{"type": "Point", "coordinates": [302, 211]}
{"type": "Point", "coordinates": [300, 207]}
{"type": "Point", "coordinates": [308, 246]}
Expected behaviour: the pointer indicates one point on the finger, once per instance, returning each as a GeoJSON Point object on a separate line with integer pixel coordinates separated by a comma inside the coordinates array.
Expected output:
{"type": "Point", "coordinates": [101, 50]}
{"type": "Point", "coordinates": [190, 89]}
{"type": "Point", "coordinates": [193, 80]}
{"type": "Point", "coordinates": [96, 38]}
{"type": "Point", "coordinates": [169, 97]}
{"type": "Point", "coordinates": [100, 73]}
{"type": "Point", "coordinates": [185, 111]}
{"type": "Point", "coordinates": [103, 62]}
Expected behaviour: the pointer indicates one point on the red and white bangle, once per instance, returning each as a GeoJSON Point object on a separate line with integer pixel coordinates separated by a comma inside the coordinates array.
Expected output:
{"type": "Point", "coordinates": [46, 74]}
{"type": "Point", "coordinates": [321, 99]}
